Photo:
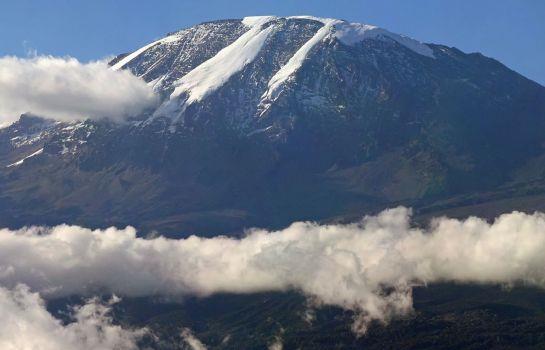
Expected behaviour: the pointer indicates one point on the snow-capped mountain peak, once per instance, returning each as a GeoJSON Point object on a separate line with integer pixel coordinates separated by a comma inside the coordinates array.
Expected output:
{"type": "Point", "coordinates": [267, 52]}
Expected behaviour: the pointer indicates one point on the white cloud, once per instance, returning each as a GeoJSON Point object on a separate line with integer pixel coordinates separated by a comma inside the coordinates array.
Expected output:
{"type": "Point", "coordinates": [27, 325]}
{"type": "Point", "coordinates": [66, 89]}
{"type": "Point", "coordinates": [369, 267]}
{"type": "Point", "coordinates": [277, 344]}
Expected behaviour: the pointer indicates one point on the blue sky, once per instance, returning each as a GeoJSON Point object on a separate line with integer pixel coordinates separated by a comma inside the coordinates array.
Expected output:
{"type": "Point", "coordinates": [512, 31]}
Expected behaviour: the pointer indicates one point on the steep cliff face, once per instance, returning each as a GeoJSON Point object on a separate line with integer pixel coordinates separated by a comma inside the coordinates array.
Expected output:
{"type": "Point", "coordinates": [266, 120]}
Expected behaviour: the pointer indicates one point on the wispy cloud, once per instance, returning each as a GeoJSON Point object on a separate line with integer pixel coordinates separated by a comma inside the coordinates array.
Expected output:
{"type": "Point", "coordinates": [369, 267]}
{"type": "Point", "coordinates": [26, 324]}
{"type": "Point", "coordinates": [66, 89]}
{"type": "Point", "coordinates": [30, 51]}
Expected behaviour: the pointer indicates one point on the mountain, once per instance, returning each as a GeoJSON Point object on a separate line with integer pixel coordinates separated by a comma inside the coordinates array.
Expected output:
{"type": "Point", "coordinates": [268, 120]}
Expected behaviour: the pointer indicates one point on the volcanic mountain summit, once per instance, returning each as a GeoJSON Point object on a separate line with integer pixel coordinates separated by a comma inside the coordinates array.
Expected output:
{"type": "Point", "coordinates": [267, 120]}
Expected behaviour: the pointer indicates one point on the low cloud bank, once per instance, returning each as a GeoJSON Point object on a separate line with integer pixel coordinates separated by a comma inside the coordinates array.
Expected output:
{"type": "Point", "coordinates": [65, 89]}
{"type": "Point", "coordinates": [27, 325]}
{"type": "Point", "coordinates": [369, 267]}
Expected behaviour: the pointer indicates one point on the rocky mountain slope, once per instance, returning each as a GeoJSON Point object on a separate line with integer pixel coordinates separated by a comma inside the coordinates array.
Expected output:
{"type": "Point", "coordinates": [267, 120]}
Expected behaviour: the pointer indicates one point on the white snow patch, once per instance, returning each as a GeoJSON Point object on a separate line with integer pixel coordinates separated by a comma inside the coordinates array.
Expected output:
{"type": "Point", "coordinates": [352, 33]}
{"type": "Point", "coordinates": [258, 131]}
{"type": "Point", "coordinates": [252, 21]}
{"type": "Point", "coordinates": [216, 71]}
{"type": "Point", "coordinates": [25, 158]}
{"type": "Point", "coordinates": [312, 18]}
{"type": "Point", "coordinates": [132, 56]}
{"type": "Point", "coordinates": [296, 61]}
